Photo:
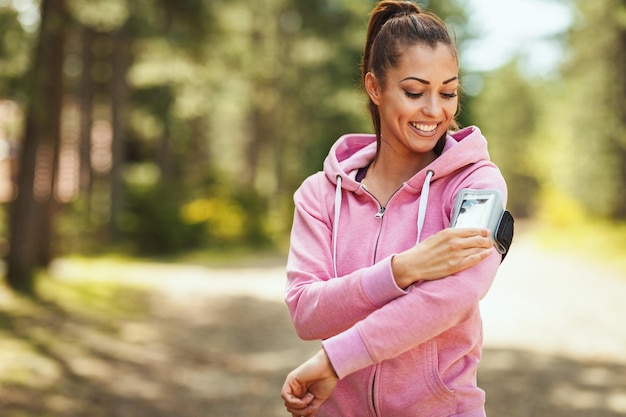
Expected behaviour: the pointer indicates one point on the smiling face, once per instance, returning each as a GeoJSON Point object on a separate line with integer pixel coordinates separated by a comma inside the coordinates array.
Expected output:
{"type": "Point", "coordinates": [418, 99]}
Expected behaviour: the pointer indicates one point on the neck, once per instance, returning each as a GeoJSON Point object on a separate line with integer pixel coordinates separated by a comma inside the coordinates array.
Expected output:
{"type": "Point", "coordinates": [394, 167]}
{"type": "Point", "coordinates": [390, 170]}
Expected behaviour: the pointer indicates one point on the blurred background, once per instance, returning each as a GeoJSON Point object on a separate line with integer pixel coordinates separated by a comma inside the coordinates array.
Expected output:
{"type": "Point", "coordinates": [153, 126]}
{"type": "Point", "coordinates": [177, 132]}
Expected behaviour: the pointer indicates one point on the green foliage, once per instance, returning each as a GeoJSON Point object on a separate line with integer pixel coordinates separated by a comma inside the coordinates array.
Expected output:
{"type": "Point", "coordinates": [160, 218]}
{"type": "Point", "coordinates": [594, 111]}
{"type": "Point", "coordinates": [255, 91]}
{"type": "Point", "coordinates": [227, 221]}
{"type": "Point", "coordinates": [103, 15]}
{"type": "Point", "coordinates": [151, 221]}
{"type": "Point", "coordinates": [258, 92]}
{"type": "Point", "coordinates": [15, 56]}
{"type": "Point", "coordinates": [223, 219]}
{"type": "Point", "coordinates": [506, 112]}
{"type": "Point", "coordinates": [559, 209]}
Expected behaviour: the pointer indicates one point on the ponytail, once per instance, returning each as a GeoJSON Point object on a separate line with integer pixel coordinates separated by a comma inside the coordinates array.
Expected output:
{"type": "Point", "coordinates": [383, 11]}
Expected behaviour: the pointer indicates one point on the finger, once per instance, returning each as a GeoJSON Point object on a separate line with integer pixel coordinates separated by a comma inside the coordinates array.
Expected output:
{"type": "Point", "coordinates": [476, 257]}
{"type": "Point", "coordinates": [293, 390]}
{"type": "Point", "coordinates": [291, 401]}
{"type": "Point", "coordinates": [480, 242]}
{"type": "Point", "coordinates": [470, 231]}
{"type": "Point", "coordinates": [307, 411]}
{"type": "Point", "coordinates": [471, 238]}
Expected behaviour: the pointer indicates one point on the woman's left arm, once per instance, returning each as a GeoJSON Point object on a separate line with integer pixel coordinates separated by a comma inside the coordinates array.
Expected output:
{"type": "Point", "coordinates": [427, 311]}
{"type": "Point", "coordinates": [309, 385]}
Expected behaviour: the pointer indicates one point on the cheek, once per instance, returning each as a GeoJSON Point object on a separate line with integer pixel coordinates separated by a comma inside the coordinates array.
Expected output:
{"type": "Point", "coordinates": [452, 107]}
{"type": "Point", "coordinates": [405, 107]}
{"type": "Point", "coordinates": [395, 109]}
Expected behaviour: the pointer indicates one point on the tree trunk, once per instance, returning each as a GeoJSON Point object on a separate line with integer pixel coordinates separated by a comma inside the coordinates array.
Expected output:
{"type": "Point", "coordinates": [254, 146]}
{"type": "Point", "coordinates": [164, 156]}
{"type": "Point", "coordinates": [31, 222]}
{"type": "Point", "coordinates": [86, 97]}
{"type": "Point", "coordinates": [199, 158]}
{"type": "Point", "coordinates": [119, 94]}
{"type": "Point", "coordinates": [621, 141]}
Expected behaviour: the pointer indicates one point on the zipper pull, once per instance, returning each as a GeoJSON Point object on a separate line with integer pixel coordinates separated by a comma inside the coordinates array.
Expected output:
{"type": "Point", "coordinates": [380, 213]}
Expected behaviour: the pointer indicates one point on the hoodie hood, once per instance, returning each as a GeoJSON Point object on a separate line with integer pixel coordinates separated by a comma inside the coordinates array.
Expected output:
{"type": "Point", "coordinates": [354, 151]}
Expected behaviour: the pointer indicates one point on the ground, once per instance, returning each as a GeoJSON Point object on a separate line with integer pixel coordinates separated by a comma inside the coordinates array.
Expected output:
{"type": "Point", "coordinates": [187, 340]}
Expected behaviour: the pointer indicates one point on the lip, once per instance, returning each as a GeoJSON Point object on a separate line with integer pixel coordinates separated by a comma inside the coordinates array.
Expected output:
{"type": "Point", "coordinates": [424, 133]}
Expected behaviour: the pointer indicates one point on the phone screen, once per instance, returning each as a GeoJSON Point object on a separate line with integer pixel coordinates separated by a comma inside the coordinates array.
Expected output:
{"type": "Point", "coordinates": [475, 210]}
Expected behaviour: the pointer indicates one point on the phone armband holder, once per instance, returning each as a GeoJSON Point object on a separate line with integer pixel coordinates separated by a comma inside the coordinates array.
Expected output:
{"type": "Point", "coordinates": [484, 208]}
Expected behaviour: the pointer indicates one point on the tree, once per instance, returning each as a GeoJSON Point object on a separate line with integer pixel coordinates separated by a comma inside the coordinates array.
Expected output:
{"type": "Point", "coordinates": [595, 118]}
{"type": "Point", "coordinates": [234, 102]}
{"type": "Point", "coordinates": [86, 97]}
{"type": "Point", "coordinates": [510, 127]}
{"type": "Point", "coordinates": [120, 60]}
{"type": "Point", "coordinates": [31, 217]}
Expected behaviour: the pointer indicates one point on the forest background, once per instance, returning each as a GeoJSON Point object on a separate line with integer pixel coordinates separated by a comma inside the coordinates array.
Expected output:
{"type": "Point", "coordinates": [156, 127]}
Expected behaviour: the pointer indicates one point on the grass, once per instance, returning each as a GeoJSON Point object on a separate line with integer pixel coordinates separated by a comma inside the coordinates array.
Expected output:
{"type": "Point", "coordinates": [103, 341]}
{"type": "Point", "coordinates": [53, 345]}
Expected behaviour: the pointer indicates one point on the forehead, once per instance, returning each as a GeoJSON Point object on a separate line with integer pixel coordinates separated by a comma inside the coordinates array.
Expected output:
{"type": "Point", "coordinates": [435, 64]}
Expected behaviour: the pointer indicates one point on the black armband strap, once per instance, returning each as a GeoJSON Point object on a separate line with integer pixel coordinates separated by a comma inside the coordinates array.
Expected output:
{"type": "Point", "coordinates": [504, 233]}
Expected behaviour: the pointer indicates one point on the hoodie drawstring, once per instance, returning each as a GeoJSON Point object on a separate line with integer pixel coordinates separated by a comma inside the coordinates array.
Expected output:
{"type": "Point", "coordinates": [336, 222]}
{"type": "Point", "coordinates": [421, 215]}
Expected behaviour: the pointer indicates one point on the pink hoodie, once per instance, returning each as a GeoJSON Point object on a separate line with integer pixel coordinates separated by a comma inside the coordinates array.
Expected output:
{"type": "Point", "coordinates": [396, 352]}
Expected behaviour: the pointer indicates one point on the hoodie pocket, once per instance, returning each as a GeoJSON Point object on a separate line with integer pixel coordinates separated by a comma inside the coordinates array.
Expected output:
{"type": "Point", "coordinates": [436, 382]}
{"type": "Point", "coordinates": [411, 385]}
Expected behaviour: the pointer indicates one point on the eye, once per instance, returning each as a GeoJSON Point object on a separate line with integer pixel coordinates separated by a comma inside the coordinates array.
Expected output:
{"type": "Point", "coordinates": [448, 95]}
{"type": "Point", "coordinates": [413, 95]}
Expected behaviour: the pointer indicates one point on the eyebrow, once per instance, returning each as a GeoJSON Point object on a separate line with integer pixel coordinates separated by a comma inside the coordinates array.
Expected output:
{"type": "Point", "coordinates": [428, 82]}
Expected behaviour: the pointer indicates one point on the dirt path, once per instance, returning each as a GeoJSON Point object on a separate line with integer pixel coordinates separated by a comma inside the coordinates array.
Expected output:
{"type": "Point", "coordinates": [558, 304]}
{"type": "Point", "coordinates": [555, 341]}
{"type": "Point", "coordinates": [218, 343]}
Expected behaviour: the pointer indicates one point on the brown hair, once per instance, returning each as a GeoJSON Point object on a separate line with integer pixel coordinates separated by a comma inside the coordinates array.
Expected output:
{"type": "Point", "coordinates": [393, 26]}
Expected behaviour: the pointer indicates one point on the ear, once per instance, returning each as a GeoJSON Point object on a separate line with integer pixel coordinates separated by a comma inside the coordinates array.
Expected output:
{"type": "Point", "coordinates": [372, 87]}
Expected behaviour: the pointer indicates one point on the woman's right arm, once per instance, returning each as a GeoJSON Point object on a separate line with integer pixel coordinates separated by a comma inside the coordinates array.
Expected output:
{"type": "Point", "coordinates": [440, 255]}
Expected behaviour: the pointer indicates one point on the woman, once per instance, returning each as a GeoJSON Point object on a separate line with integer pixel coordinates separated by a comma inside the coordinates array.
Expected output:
{"type": "Point", "coordinates": [374, 271]}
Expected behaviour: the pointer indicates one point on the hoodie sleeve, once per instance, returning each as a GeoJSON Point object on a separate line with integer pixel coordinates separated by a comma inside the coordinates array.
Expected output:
{"type": "Point", "coordinates": [427, 311]}
{"type": "Point", "coordinates": [319, 306]}
{"type": "Point", "coordinates": [424, 313]}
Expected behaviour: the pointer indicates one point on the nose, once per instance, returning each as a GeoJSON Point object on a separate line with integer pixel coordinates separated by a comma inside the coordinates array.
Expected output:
{"type": "Point", "coordinates": [434, 106]}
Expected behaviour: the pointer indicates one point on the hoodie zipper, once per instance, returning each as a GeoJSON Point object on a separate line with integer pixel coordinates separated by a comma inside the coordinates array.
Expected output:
{"type": "Point", "coordinates": [379, 215]}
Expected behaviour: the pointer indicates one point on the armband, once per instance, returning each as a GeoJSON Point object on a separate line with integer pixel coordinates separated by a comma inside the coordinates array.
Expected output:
{"type": "Point", "coordinates": [484, 208]}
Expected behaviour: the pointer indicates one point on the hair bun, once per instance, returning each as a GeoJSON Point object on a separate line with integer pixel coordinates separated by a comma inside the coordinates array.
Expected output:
{"type": "Point", "coordinates": [403, 8]}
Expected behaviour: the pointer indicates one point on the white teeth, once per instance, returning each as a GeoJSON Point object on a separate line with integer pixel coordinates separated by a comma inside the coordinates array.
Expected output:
{"type": "Point", "coordinates": [423, 127]}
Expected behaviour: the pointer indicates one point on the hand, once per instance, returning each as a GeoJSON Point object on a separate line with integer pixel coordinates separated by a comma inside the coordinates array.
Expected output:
{"type": "Point", "coordinates": [446, 252]}
{"type": "Point", "coordinates": [309, 385]}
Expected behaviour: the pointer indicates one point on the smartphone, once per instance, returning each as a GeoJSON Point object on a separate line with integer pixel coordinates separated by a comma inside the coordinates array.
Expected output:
{"type": "Point", "coordinates": [481, 208]}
